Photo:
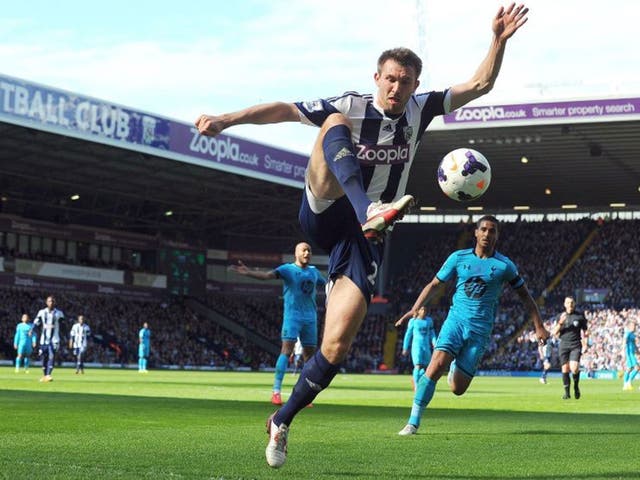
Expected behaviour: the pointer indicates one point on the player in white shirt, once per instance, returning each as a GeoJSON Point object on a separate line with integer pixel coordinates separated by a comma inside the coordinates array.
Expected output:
{"type": "Point", "coordinates": [355, 185]}
{"type": "Point", "coordinates": [48, 322]}
{"type": "Point", "coordinates": [78, 340]}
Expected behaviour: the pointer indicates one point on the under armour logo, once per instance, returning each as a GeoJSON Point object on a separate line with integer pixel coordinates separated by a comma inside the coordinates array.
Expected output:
{"type": "Point", "coordinates": [313, 386]}
{"type": "Point", "coordinates": [344, 152]}
{"type": "Point", "coordinates": [387, 128]}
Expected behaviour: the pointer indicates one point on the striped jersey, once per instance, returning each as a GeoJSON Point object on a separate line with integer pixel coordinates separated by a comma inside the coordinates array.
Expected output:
{"type": "Point", "coordinates": [80, 335]}
{"type": "Point", "coordinates": [49, 323]}
{"type": "Point", "coordinates": [385, 146]}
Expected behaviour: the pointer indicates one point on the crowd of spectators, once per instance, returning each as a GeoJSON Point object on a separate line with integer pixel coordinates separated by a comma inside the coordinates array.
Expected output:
{"type": "Point", "coordinates": [540, 249]}
{"type": "Point", "coordinates": [179, 336]}
{"type": "Point", "coordinates": [604, 351]}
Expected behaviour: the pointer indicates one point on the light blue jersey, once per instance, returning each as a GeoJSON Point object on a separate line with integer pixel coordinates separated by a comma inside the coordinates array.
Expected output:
{"type": "Point", "coordinates": [630, 348]}
{"type": "Point", "coordinates": [145, 342]}
{"type": "Point", "coordinates": [479, 285]}
{"type": "Point", "coordinates": [22, 340]}
{"type": "Point", "coordinates": [299, 291]}
{"type": "Point", "coordinates": [420, 337]}
{"type": "Point", "coordinates": [22, 334]}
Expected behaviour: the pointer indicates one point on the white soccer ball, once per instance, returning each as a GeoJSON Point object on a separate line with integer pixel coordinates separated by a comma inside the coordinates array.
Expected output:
{"type": "Point", "coordinates": [464, 174]}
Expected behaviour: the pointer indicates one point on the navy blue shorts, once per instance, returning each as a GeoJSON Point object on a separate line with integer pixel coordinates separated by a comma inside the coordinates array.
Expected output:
{"type": "Point", "coordinates": [337, 231]}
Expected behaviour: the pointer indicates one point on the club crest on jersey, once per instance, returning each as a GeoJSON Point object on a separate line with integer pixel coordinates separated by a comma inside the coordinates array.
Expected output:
{"type": "Point", "coordinates": [408, 133]}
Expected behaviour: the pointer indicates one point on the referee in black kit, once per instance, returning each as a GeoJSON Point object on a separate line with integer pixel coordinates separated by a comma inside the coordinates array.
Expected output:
{"type": "Point", "coordinates": [572, 331]}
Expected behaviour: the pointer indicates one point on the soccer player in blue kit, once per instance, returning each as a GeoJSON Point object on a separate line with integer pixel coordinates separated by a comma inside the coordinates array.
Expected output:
{"type": "Point", "coordinates": [480, 274]}
{"type": "Point", "coordinates": [144, 348]}
{"type": "Point", "coordinates": [629, 352]}
{"type": "Point", "coordinates": [421, 338]}
{"type": "Point", "coordinates": [300, 319]}
{"type": "Point", "coordinates": [23, 343]}
{"type": "Point", "coordinates": [354, 189]}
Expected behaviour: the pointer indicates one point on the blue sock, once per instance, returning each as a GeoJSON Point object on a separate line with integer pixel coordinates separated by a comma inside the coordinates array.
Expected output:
{"type": "Point", "coordinates": [26, 363]}
{"type": "Point", "coordinates": [281, 369]}
{"type": "Point", "coordinates": [633, 374]}
{"type": "Point", "coordinates": [341, 160]}
{"type": "Point", "coordinates": [315, 377]}
{"type": "Point", "coordinates": [424, 393]}
{"type": "Point", "coordinates": [17, 362]}
{"type": "Point", "coordinates": [626, 376]}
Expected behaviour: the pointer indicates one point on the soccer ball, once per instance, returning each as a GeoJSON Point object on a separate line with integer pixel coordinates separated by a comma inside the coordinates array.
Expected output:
{"type": "Point", "coordinates": [464, 174]}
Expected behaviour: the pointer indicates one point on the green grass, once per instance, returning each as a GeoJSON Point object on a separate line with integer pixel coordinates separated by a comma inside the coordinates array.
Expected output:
{"type": "Point", "coordinates": [117, 424]}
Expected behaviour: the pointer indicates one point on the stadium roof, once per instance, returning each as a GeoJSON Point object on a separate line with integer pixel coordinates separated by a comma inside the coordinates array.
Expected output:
{"type": "Point", "coordinates": [591, 164]}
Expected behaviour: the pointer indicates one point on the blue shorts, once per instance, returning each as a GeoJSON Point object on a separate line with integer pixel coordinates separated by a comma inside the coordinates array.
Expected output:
{"type": "Point", "coordinates": [465, 346]}
{"type": "Point", "coordinates": [337, 231]}
{"type": "Point", "coordinates": [143, 350]}
{"type": "Point", "coordinates": [24, 348]}
{"type": "Point", "coordinates": [306, 330]}
{"type": "Point", "coordinates": [421, 356]}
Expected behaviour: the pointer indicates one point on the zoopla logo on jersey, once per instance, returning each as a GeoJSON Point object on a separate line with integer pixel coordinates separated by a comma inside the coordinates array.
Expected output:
{"type": "Point", "coordinates": [383, 154]}
{"type": "Point", "coordinates": [220, 149]}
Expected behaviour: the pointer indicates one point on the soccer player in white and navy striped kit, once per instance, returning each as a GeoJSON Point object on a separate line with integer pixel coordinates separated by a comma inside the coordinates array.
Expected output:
{"type": "Point", "coordinates": [355, 185]}
{"type": "Point", "coordinates": [78, 340]}
{"type": "Point", "coordinates": [48, 322]}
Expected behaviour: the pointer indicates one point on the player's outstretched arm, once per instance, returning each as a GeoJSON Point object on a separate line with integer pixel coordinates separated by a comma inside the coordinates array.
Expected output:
{"type": "Point", "coordinates": [506, 22]}
{"type": "Point", "coordinates": [275, 112]}
{"type": "Point", "coordinates": [426, 294]}
{"type": "Point", "coordinates": [534, 312]}
{"type": "Point", "coordinates": [242, 269]}
{"type": "Point", "coordinates": [404, 318]}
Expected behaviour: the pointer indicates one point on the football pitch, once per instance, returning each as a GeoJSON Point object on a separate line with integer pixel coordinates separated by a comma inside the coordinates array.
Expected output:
{"type": "Point", "coordinates": [119, 424]}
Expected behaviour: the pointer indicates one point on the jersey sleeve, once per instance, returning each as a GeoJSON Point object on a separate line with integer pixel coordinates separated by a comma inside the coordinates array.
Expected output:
{"type": "Point", "coordinates": [448, 269]}
{"type": "Point", "coordinates": [283, 272]}
{"type": "Point", "coordinates": [432, 336]}
{"type": "Point", "coordinates": [408, 336]}
{"type": "Point", "coordinates": [316, 112]}
{"type": "Point", "coordinates": [512, 276]}
{"type": "Point", "coordinates": [320, 280]}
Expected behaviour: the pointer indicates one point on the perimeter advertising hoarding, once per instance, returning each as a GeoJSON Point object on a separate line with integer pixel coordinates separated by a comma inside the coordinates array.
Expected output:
{"type": "Point", "coordinates": [45, 108]}
{"type": "Point", "coordinates": [66, 113]}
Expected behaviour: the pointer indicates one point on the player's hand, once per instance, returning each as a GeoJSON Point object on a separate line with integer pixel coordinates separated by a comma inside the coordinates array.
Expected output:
{"type": "Point", "coordinates": [240, 268]}
{"type": "Point", "coordinates": [209, 125]}
{"type": "Point", "coordinates": [508, 20]}
{"type": "Point", "coordinates": [39, 352]}
{"type": "Point", "coordinates": [543, 335]}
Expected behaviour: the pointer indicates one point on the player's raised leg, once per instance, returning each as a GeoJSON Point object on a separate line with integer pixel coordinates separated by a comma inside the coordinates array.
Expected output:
{"type": "Point", "coordinates": [334, 170]}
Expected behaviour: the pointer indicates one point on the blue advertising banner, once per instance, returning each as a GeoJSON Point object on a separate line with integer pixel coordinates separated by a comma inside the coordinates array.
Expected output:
{"type": "Point", "coordinates": [570, 110]}
{"type": "Point", "coordinates": [67, 113]}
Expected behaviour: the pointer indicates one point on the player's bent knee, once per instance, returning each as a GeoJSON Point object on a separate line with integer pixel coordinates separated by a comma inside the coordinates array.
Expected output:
{"type": "Point", "coordinates": [336, 119]}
